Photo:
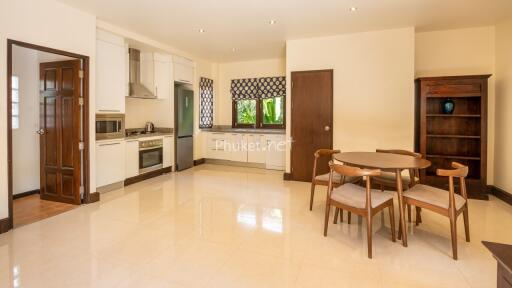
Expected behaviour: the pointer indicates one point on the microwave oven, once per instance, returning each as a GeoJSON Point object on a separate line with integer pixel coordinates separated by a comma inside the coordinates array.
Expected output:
{"type": "Point", "coordinates": [109, 126]}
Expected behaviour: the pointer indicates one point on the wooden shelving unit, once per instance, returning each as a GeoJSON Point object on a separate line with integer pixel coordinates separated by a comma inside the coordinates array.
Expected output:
{"type": "Point", "coordinates": [461, 136]}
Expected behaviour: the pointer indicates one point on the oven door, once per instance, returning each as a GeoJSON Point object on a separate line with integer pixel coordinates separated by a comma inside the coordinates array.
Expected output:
{"type": "Point", "coordinates": [150, 159]}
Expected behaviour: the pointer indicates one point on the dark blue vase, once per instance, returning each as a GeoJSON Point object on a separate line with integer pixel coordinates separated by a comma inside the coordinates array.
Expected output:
{"type": "Point", "coordinates": [448, 106]}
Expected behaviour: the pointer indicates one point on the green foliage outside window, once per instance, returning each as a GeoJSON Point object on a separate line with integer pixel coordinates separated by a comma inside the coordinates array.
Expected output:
{"type": "Point", "coordinates": [246, 111]}
{"type": "Point", "coordinates": [273, 110]}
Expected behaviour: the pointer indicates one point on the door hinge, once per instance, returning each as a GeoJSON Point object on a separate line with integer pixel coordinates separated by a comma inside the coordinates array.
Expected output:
{"type": "Point", "coordinates": [80, 74]}
{"type": "Point", "coordinates": [81, 145]}
{"type": "Point", "coordinates": [292, 84]}
{"type": "Point", "coordinates": [81, 101]}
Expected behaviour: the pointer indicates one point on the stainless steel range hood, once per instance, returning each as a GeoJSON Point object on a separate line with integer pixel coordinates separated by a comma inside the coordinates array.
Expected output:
{"type": "Point", "coordinates": [137, 89]}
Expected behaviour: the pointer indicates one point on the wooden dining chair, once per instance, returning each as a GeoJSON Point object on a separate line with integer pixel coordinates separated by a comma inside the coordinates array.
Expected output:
{"type": "Point", "coordinates": [323, 179]}
{"type": "Point", "coordinates": [362, 201]}
{"type": "Point", "coordinates": [446, 203]}
{"type": "Point", "coordinates": [387, 180]}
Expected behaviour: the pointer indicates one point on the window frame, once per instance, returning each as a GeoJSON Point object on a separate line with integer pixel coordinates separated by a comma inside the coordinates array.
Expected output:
{"type": "Point", "coordinates": [17, 116]}
{"type": "Point", "coordinates": [259, 116]}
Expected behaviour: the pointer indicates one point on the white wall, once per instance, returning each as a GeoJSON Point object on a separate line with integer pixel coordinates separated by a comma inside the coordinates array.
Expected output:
{"type": "Point", "coordinates": [139, 111]}
{"type": "Point", "coordinates": [238, 70]}
{"type": "Point", "coordinates": [468, 51]}
{"type": "Point", "coordinates": [51, 24]}
{"type": "Point", "coordinates": [373, 84]}
{"type": "Point", "coordinates": [25, 142]}
{"type": "Point", "coordinates": [503, 141]}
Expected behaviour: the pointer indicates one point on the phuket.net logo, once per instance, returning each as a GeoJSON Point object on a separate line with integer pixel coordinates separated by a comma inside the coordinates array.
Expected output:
{"type": "Point", "coordinates": [252, 146]}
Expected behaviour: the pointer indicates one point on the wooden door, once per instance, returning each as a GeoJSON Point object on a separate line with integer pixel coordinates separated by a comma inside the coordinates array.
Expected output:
{"type": "Point", "coordinates": [311, 121]}
{"type": "Point", "coordinates": [60, 131]}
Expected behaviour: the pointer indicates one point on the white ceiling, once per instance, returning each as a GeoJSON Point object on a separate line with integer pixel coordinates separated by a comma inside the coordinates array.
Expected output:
{"type": "Point", "coordinates": [243, 24]}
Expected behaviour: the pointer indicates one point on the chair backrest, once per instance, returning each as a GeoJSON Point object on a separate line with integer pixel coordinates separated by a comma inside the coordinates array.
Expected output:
{"type": "Point", "coordinates": [345, 170]}
{"type": "Point", "coordinates": [322, 153]}
{"type": "Point", "coordinates": [413, 173]}
{"type": "Point", "coordinates": [460, 171]}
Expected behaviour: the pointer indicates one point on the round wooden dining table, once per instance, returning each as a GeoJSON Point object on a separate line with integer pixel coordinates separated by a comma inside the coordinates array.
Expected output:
{"type": "Point", "coordinates": [386, 162]}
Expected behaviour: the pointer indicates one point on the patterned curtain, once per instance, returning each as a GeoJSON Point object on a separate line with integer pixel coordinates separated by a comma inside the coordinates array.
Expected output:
{"type": "Point", "coordinates": [270, 87]}
{"type": "Point", "coordinates": [206, 103]}
{"type": "Point", "coordinates": [244, 88]}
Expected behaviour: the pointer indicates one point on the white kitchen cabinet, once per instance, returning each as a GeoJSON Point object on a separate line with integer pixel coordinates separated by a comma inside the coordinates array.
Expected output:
{"type": "Point", "coordinates": [110, 73]}
{"type": "Point", "coordinates": [237, 147]}
{"type": "Point", "coordinates": [163, 77]}
{"type": "Point", "coordinates": [256, 144]}
{"type": "Point", "coordinates": [131, 158]}
{"type": "Point", "coordinates": [216, 145]}
{"type": "Point", "coordinates": [168, 150]}
{"type": "Point", "coordinates": [275, 152]}
{"type": "Point", "coordinates": [110, 162]}
{"type": "Point", "coordinates": [183, 70]}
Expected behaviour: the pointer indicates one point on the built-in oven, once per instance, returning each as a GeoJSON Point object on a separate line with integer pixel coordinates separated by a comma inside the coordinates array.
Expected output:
{"type": "Point", "coordinates": [151, 155]}
{"type": "Point", "coordinates": [109, 126]}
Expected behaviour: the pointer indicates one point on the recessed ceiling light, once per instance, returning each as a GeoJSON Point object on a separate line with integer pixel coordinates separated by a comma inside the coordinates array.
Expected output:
{"type": "Point", "coordinates": [272, 22]}
{"type": "Point", "coordinates": [353, 9]}
{"type": "Point", "coordinates": [201, 30]}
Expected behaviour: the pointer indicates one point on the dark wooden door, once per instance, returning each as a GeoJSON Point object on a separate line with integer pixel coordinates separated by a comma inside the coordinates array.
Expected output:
{"type": "Point", "coordinates": [60, 131]}
{"type": "Point", "coordinates": [311, 121]}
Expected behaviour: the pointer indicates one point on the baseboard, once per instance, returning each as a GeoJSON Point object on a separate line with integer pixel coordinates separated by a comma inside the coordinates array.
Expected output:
{"type": "Point", "coordinates": [235, 163]}
{"type": "Point", "coordinates": [148, 175]}
{"type": "Point", "coordinates": [110, 187]}
{"type": "Point", "coordinates": [287, 176]}
{"type": "Point", "coordinates": [199, 161]}
{"type": "Point", "coordinates": [501, 194]}
{"type": "Point", "coordinates": [25, 194]}
{"type": "Point", "coordinates": [5, 225]}
{"type": "Point", "coordinates": [93, 197]}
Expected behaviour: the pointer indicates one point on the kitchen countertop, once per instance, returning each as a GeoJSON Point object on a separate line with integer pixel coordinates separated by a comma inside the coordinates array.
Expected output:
{"type": "Point", "coordinates": [156, 134]}
{"type": "Point", "coordinates": [228, 129]}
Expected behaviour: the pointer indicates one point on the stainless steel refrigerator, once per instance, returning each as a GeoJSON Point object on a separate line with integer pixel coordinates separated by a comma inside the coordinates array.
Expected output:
{"type": "Point", "coordinates": [184, 113]}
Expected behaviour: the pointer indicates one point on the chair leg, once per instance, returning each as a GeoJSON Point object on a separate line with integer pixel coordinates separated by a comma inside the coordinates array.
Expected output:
{"type": "Point", "coordinates": [349, 218]}
{"type": "Point", "coordinates": [453, 228]}
{"type": "Point", "coordinates": [326, 221]}
{"type": "Point", "coordinates": [312, 195]}
{"type": "Point", "coordinates": [336, 212]}
{"type": "Point", "coordinates": [418, 216]}
{"type": "Point", "coordinates": [369, 235]}
{"type": "Point", "coordinates": [409, 213]}
{"type": "Point", "coordinates": [399, 226]}
{"type": "Point", "coordinates": [392, 221]}
{"type": "Point", "coordinates": [466, 223]}
{"type": "Point", "coordinates": [341, 215]}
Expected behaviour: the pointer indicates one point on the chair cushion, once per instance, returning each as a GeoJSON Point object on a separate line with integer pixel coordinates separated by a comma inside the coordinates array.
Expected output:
{"type": "Point", "coordinates": [390, 177]}
{"type": "Point", "coordinates": [336, 178]}
{"type": "Point", "coordinates": [434, 196]}
{"type": "Point", "coordinates": [355, 196]}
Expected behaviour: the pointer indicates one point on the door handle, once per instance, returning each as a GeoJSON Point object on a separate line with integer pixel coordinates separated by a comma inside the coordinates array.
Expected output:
{"type": "Point", "coordinates": [327, 128]}
{"type": "Point", "coordinates": [40, 131]}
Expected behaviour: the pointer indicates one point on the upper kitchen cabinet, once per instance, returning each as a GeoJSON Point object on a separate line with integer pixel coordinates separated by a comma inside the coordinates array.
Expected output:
{"type": "Point", "coordinates": [183, 70]}
{"type": "Point", "coordinates": [110, 73]}
{"type": "Point", "coordinates": [163, 76]}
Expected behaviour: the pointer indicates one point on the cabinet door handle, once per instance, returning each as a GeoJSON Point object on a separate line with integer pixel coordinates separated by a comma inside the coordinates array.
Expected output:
{"type": "Point", "coordinates": [110, 144]}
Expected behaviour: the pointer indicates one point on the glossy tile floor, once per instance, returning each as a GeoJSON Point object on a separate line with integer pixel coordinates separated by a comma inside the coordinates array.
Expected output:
{"type": "Point", "coordinates": [218, 226]}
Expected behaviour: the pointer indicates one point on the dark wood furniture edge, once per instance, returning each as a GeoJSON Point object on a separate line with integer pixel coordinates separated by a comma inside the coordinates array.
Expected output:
{"type": "Point", "coordinates": [501, 252]}
{"type": "Point", "coordinates": [199, 161]}
{"type": "Point", "coordinates": [501, 194]}
{"type": "Point", "coordinates": [482, 76]}
{"type": "Point", "coordinates": [5, 225]}
{"type": "Point", "coordinates": [25, 194]}
{"type": "Point", "coordinates": [146, 176]}
{"type": "Point", "coordinates": [287, 176]}
{"type": "Point", "coordinates": [85, 121]}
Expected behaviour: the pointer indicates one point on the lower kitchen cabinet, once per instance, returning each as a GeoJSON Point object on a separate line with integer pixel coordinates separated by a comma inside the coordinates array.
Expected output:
{"type": "Point", "coordinates": [275, 152]}
{"type": "Point", "coordinates": [110, 162]}
{"type": "Point", "coordinates": [132, 158]}
{"type": "Point", "coordinates": [255, 151]}
{"type": "Point", "coordinates": [168, 151]}
{"type": "Point", "coordinates": [268, 149]}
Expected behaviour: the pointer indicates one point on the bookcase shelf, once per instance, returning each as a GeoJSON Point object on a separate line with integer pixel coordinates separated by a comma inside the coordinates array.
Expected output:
{"type": "Point", "coordinates": [460, 136]}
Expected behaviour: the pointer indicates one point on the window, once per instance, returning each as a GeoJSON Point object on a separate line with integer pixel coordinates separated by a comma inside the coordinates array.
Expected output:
{"type": "Point", "coordinates": [15, 100]}
{"type": "Point", "coordinates": [259, 103]}
{"type": "Point", "coordinates": [206, 102]}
